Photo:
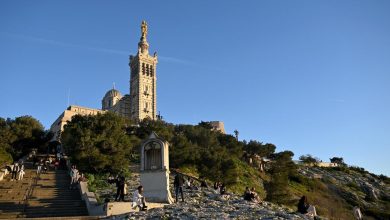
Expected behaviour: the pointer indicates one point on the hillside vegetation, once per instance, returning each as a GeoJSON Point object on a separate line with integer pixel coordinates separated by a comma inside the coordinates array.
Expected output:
{"type": "Point", "coordinates": [19, 136]}
{"type": "Point", "coordinates": [114, 143]}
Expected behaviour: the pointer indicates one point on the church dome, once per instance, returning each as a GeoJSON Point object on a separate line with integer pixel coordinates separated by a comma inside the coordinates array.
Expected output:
{"type": "Point", "coordinates": [110, 99]}
{"type": "Point", "coordinates": [112, 93]}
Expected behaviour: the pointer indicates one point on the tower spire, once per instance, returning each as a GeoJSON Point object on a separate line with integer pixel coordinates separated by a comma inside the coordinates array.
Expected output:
{"type": "Point", "coordinates": [143, 46]}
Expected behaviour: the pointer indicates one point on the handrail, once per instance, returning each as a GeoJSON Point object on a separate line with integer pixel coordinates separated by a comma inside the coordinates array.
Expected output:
{"type": "Point", "coordinates": [29, 192]}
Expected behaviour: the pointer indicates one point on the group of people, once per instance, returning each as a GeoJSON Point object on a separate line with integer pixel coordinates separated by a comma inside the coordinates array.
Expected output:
{"type": "Point", "coordinates": [179, 184]}
{"type": "Point", "coordinates": [43, 165]}
{"type": "Point", "coordinates": [220, 188]}
{"type": "Point", "coordinates": [74, 177]}
{"type": "Point", "coordinates": [121, 188]}
{"type": "Point", "coordinates": [138, 200]}
{"type": "Point", "coordinates": [17, 171]}
{"type": "Point", "coordinates": [305, 208]}
{"type": "Point", "coordinates": [251, 195]}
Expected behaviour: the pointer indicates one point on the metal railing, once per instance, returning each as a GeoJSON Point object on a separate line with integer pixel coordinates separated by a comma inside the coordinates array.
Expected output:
{"type": "Point", "coordinates": [29, 192]}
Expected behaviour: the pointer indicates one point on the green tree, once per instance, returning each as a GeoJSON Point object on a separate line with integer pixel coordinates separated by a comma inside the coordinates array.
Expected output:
{"type": "Point", "coordinates": [338, 160]}
{"type": "Point", "coordinates": [256, 147]}
{"type": "Point", "coordinates": [26, 133]}
{"type": "Point", "coordinates": [309, 159]}
{"type": "Point", "coordinates": [20, 135]}
{"type": "Point", "coordinates": [98, 143]}
{"type": "Point", "coordinates": [282, 168]}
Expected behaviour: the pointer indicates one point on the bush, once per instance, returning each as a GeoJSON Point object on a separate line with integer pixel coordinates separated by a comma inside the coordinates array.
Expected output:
{"type": "Point", "coordinates": [5, 158]}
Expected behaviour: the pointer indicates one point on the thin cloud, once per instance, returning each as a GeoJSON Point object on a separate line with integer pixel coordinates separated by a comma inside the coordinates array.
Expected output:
{"type": "Point", "coordinates": [175, 60]}
{"type": "Point", "coordinates": [98, 49]}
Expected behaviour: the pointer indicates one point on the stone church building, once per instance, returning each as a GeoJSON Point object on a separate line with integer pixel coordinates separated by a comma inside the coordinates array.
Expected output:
{"type": "Point", "coordinates": [141, 103]}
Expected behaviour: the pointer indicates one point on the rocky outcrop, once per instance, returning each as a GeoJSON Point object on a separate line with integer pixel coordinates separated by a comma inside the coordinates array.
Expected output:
{"type": "Point", "coordinates": [357, 188]}
{"type": "Point", "coordinates": [205, 203]}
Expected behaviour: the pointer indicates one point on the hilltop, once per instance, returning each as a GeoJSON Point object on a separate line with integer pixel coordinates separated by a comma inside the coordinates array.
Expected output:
{"type": "Point", "coordinates": [107, 143]}
{"type": "Point", "coordinates": [336, 190]}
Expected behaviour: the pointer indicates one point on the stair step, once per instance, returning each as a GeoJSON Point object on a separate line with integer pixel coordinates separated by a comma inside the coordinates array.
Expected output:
{"type": "Point", "coordinates": [51, 197]}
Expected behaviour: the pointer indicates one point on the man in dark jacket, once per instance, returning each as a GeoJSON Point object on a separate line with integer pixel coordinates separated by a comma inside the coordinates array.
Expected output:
{"type": "Point", "coordinates": [178, 185]}
{"type": "Point", "coordinates": [15, 170]}
{"type": "Point", "coordinates": [120, 184]}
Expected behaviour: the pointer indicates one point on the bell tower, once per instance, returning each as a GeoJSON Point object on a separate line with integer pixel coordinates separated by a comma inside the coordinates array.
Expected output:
{"type": "Point", "coordinates": [143, 80]}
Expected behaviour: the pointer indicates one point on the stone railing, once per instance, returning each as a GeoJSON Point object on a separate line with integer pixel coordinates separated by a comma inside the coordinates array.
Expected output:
{"type": "Point", "coordinates": [93, 207]}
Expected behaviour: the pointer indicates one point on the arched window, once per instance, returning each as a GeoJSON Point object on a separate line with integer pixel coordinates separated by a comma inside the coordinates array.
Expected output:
{"type": "Point", "coordinates": [147, 69]}
{"type": "Point", "coordinates": [152, 152]}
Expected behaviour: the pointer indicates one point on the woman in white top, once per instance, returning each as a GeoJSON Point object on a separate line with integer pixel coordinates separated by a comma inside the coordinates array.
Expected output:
{"type": "Point", "coordinates": [139, 199]}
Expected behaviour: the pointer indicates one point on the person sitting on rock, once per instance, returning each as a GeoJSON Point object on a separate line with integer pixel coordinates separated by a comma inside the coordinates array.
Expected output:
{"type": "Point", "coordinates": [222, 189]}
{"type": "Point", "coordinates": [139, 199]}
{"type": "Point", "coordinates": [253, 195]}
{"type": "Point", "coordinates": [305, 208]}
{"type": "Point", "coordinates": [188, 184]}
{"type": "Point", "coordinates": [203, 184]}
{"type": "Point", "coordinates": [247, 194]}
{"type": "Point", "coordinates": [216, 185]}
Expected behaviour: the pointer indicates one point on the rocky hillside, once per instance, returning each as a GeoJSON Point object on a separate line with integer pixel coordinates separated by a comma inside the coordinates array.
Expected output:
{"type": "Point", "coordinates": [336, 190]}
{"type": "Point", "coordinates": [202, 203]}
{"type": "Point", "coordinates": [207, 204]}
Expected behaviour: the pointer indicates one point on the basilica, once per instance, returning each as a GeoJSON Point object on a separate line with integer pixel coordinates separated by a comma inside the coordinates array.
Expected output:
{"type": "Point", "coordinates": [141, 103]}
{"type": "Point", "coordinates": [138, 105]}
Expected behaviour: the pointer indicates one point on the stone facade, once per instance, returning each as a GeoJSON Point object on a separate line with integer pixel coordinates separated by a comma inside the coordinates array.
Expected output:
{"type": "Point", "coordinates": [218, 126]}
{"type": "Point", "coordinates": [143, 80]}
{"type": "Point", "coordinates": [58, 126]}
{"type": "Point", "coordinates": [142, 101]}
{"type": "Point", "coordinates": [140, 104]}
{"type": "Point", "coordinates": [114, 101]}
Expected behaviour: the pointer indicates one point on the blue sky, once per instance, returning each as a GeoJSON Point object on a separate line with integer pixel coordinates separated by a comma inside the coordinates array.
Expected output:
{"type": "Point", "coordinates": [309, 76]}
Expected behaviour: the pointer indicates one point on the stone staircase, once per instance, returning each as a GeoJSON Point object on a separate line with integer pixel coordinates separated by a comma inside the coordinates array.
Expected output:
{"type": "Point", "coordinates": [13, 194]}
{"type": "Point", "coordinates": [51, 197]}
{"type": "Point", "coordinates": [48, 196]}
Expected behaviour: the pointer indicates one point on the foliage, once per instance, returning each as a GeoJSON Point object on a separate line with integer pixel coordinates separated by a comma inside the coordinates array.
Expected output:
{"type": "Point", "coordinates": [384, 178]}
{"type": "Point", "coordinates": [256, 147]}
{"type": "Point", "coordinates": [18, 136]}
{"type": "Point", "coordinates": [213, 155]}
{"type": "Point", "coordinates": [282, 168]}
{"type": "Point", "coordinates": [338, 160]}
{"type": "Point", "coordinates": [5, 157]}
{"type": "Point", "coordinates": [309, 159]}
{"type": "Point", "coordinates": [98, 143]}
{"type": "Point", "coordinates": [96, 181]}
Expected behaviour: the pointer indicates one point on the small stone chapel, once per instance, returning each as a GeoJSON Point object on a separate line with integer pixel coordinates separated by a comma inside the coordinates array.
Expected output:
{"type": "Point", "coordinates": [154, 172]}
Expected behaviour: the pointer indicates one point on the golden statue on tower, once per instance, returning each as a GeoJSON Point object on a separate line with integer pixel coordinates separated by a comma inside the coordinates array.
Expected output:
{"type": "Point", "coordinates": [144, 29]}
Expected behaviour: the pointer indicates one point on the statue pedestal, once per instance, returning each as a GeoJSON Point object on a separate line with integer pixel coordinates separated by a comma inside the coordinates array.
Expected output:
{"type": "Point", "coordinates": [156, 186]}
